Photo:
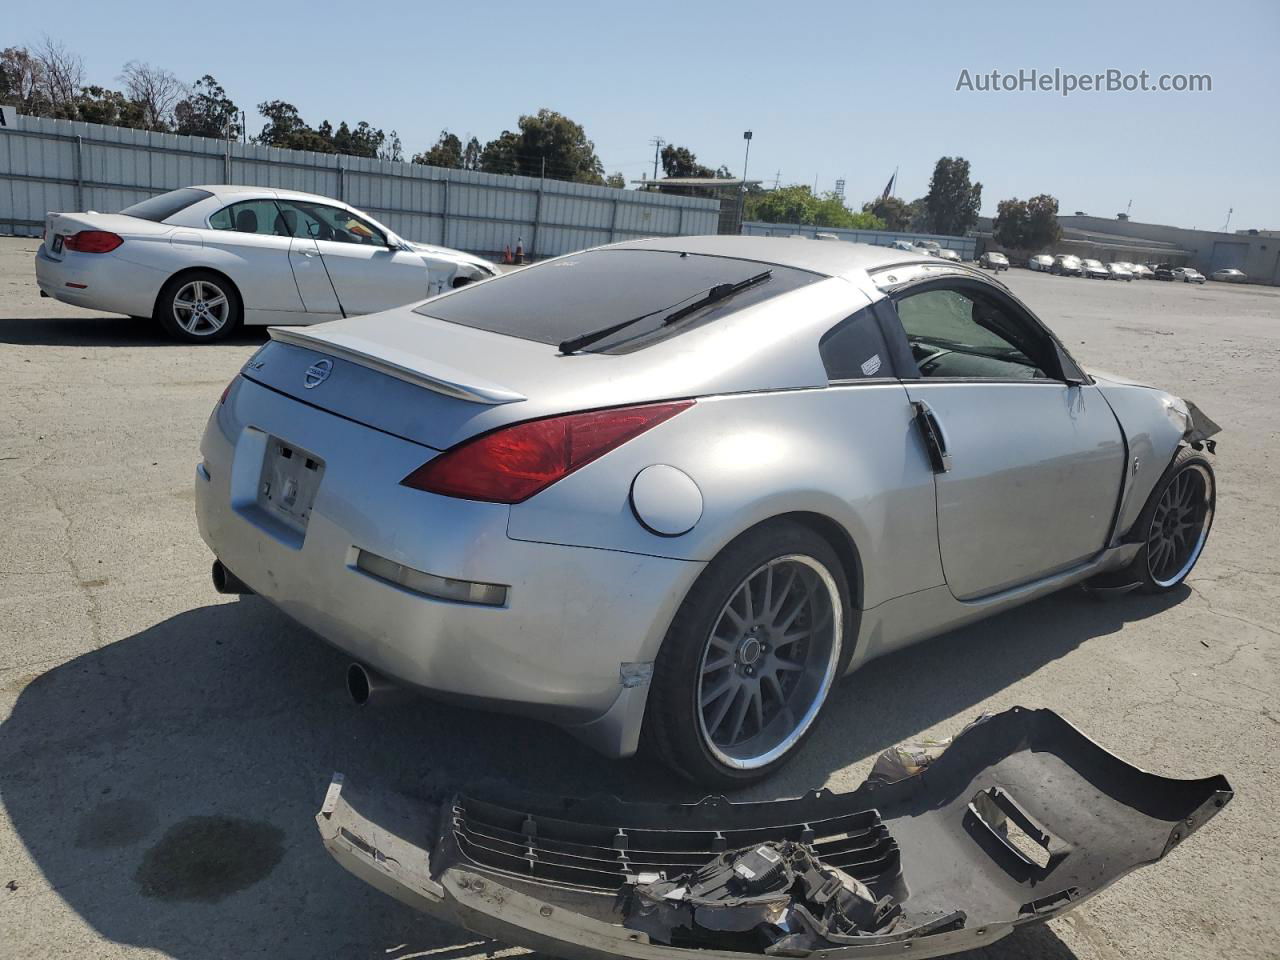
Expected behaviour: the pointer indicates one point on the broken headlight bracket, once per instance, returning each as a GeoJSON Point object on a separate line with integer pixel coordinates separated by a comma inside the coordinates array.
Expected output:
{"type": "Point", "coordinates": [1020, 818]}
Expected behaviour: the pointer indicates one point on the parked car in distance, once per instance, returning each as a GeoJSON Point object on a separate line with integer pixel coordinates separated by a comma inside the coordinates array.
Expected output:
{"type": "Point", "coordinates": [1140, 271]}
{"type": "Point", "coordinates": [201, 261]}
{"type": "Point", "coordinates": [946, 253]}
{"type": "Point", "coordinates": [1067, 265]}
{"type": "Point", "coordinates": [686, 483]}
{"type": "Point", "coordinates": [993, 260]}
{"type": "Point", "coordinates": [1119, 271]}
{"type": "Point", "coordinates": [903, 245]}
{"type": "Point", "coordinates": [1164, 271]}
{"type": "Point", "coordinates": [930, 245]}
{"type": "Point", "coordinates": [1229, 275]}
{"type": "Point", "coordinates": [1189, 275]}
{"type": "Point", "coordinates": [1041, 261]}
{"type": "Point", "coordinates": [1093, 269]}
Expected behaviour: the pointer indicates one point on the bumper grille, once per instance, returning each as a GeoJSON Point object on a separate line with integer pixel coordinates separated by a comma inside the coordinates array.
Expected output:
{"type": "Point", "coordinates": [601, 857]}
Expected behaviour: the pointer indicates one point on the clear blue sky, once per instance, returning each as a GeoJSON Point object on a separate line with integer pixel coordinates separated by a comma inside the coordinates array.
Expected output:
{"type": "Point", "coordinates": [830, 89]}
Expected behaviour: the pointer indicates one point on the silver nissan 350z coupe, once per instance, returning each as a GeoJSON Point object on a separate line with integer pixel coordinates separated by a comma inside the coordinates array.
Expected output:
{"type": "Point", "coordinates": [668, 491]}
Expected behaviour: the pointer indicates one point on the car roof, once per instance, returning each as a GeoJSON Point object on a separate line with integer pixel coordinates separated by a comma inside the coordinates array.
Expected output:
{"type": "Point", "coordinates": [238, 190]}
{"type": "Point", "coordinates": [801, 253]}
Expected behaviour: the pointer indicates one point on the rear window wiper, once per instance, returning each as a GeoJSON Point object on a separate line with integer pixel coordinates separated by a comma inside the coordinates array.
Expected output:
{"type": "Point", "coordinates": [717, 293]}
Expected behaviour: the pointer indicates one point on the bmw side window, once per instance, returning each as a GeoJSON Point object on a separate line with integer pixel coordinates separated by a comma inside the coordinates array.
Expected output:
{"type": "Point", "coordinates": [322, 222]}
{"type": "Point", "coordinates": [248, 216]}
{"type": "Point", "coordinates": [955, 335]}
{"type": "Point", "coordinates": [855, 349]}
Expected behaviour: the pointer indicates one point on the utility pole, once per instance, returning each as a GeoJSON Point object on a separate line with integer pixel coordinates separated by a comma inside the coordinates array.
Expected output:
{"type": "Point", "coordinates": [742, 194]}
{"type": "Point", "coordinates": [658, 143]}
{"type": "Point", "coordinates": [1230, 210]}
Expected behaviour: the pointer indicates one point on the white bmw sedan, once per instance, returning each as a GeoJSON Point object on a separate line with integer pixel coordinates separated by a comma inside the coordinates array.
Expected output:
{"type": "Point", "coordinates": [203, 260]}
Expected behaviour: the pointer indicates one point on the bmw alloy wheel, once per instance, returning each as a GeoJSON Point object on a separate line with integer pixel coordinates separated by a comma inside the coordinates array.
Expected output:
{"type": "Point", "coordinates": [201, 308]}
{"type": "Point", "coordinates": [769, 661]}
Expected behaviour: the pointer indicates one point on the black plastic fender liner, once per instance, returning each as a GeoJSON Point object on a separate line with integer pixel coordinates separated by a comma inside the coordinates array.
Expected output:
{"type": "Point", "coordinates": [1021, 818]}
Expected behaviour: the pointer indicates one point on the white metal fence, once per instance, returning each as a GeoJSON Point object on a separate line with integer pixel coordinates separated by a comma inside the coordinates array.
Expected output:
{"type": "Point", "coordinates": [67, 166]}
{"type": "Point", "coordinates": [965, 246]}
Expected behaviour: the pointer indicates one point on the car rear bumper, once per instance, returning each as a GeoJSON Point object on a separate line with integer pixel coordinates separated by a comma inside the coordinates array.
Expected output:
{"type": "Point", "coordinates": [572, 644]}
{"type": "Point", "coordinates": [98, 281]}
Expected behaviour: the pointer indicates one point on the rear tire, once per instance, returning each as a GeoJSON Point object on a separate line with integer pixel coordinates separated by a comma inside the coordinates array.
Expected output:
{"type": "Point", "coordinates": [750, 658]}
{"type": "Point", "coordinates": [199, 306]}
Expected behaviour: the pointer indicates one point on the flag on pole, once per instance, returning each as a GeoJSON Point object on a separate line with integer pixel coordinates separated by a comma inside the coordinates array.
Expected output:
{"type": "Point", "coordinates": [888, 187]}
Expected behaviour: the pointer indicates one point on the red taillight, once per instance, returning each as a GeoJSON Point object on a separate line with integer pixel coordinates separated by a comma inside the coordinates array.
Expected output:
{"type": "Point", "coordinates": [227, 389]}
{"type": "Point", "coordinates": [513, 463]}
{"type": "Point", "coordinates": [93, 241]}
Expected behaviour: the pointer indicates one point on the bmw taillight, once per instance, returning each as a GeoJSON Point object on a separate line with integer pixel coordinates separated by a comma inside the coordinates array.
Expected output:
{"type": "Point", "coordinates": [93, 241]}
{"type": "Point", "coordinates": [513, 463]}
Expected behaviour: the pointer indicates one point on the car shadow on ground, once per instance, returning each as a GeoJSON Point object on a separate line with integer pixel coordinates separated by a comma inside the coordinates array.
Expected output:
{"type": "Point", "coordinates": [102, 331]}
{"type": "Point", "coordinates": [165, 785]}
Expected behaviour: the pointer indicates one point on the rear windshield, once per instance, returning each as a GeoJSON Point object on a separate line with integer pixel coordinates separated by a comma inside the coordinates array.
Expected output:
{"type": "Point", "coordinates": [163, 207]}
{"type": "Point", "coordinates": [585, 292]}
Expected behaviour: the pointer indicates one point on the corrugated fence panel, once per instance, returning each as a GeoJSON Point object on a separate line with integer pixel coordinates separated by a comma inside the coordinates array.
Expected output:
{"type": "Point", "coordinates": [57, 165]}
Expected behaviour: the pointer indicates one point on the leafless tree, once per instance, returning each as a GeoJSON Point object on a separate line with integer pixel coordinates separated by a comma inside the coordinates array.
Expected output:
{"type": "Point", "coordinates": [62, 76]}
{"type": "Point", "coordinates": [156, 90]}
{"type": "Point", "coordinates": [21, 78]}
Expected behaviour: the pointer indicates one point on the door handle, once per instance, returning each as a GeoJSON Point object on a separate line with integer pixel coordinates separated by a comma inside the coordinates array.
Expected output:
{"type": "Point", "coordinates": [935, 441]}
{"type": "Point", "coordinates": [310, 253]}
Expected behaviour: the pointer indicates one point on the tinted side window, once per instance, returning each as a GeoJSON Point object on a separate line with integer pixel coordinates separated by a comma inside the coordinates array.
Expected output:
{"type": "Point", "coordinates": [953, 334]}
{"type": "Point", "coordinates": [250, 216]}
{"type": "Point", "coordinates": [854, 349]}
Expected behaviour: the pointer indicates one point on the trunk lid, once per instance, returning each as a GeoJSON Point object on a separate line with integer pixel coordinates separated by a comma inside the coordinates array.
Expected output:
{"type": "Point", "coordinates": [65, 224]}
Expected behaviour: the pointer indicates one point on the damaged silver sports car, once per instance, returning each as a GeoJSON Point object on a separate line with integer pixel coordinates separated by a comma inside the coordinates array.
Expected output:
{"type": "Point", "coordinates": [1020, 819]}
{"type": "Point", "coordinates": [669, 491]}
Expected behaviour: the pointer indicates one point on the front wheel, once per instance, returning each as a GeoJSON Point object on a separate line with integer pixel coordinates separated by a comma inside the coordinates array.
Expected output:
{"type": "Point", "coordinates": [1175, 522]}
{"type": "Point", "coordinates": [199, 307]}
{"type": "Point", "coordinates": [749, 660]}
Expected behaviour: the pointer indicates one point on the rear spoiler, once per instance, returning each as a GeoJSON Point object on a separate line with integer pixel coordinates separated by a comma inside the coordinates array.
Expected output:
{"type": "Point", "coordinates": [441, 379]}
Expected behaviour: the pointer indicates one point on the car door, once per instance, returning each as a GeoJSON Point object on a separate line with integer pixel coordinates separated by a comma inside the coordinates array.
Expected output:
{"type": "Point", "coordinates": [260, 266]}
{"type": "Point", "coordinates": [367, 274]}
{"type": "Point", "coordinates": [309, 271]}
{"type": "Point", "coordinates": [1028, 457]}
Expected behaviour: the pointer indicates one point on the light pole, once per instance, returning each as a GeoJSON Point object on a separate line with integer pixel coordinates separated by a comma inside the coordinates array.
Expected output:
{"type": "Point", "coordinates": [742, 206]}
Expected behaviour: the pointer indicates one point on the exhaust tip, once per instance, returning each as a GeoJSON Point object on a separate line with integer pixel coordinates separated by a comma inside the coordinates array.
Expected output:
{"type": "Point", "coordinates": [359, 686]}
{"type": "Point", "coordinates": [224, 581]}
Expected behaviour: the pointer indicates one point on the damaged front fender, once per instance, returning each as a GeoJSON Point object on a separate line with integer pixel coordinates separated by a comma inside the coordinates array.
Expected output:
{"type": "Point", "coordinates": [1021, 818]}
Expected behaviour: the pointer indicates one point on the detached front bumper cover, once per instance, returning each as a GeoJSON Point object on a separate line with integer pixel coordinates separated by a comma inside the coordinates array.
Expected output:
{"type": "Point", "coordinates": [1019, 819]}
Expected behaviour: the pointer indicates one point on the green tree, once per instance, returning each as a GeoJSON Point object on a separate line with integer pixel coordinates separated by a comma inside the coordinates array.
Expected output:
{"type": "Point", "coordinates": [547, 141]}
{"type": "Point", "coordinates": [360, 141]}
{"type": "Point", "coordinates": [502, 155]}
{"type": "Point", "coordinates": [616, 180]}
{"type": "Point", "coordinates": [1010, 226]}
{"type": "Point", "coordinates": [447, 152]}
{"type": "Point", "coordinates": [797, 204]}
{"type": "Point", "coordinates": [1042, 222]}
{"type": "Point", "coordinates": [919, 214]}
{"type": "Point", "coordinates": [100, 105]}
{"type": "Point", "coordinates": [285, 128]}
{"type": "Point", "coordinates": [895, 214]}
{"type": "Point", "coordinates": [207, 111]}
{"type": "Point", "coordinates": [952, 201]}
